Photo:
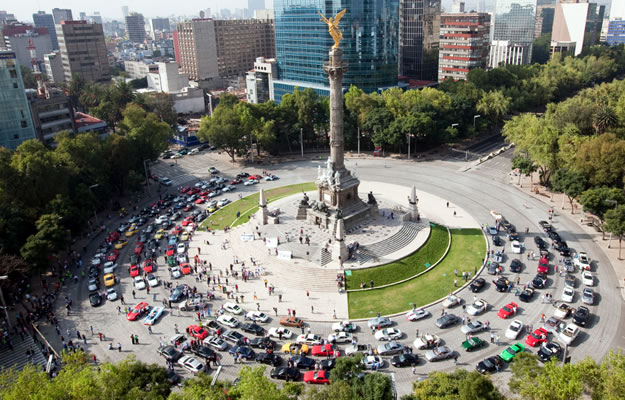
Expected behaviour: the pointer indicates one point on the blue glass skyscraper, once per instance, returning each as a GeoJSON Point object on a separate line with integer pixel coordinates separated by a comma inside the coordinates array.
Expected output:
{"type": "Point", "coordinates": [370, 44]}
{"type": "Point", "coordinates": [16, 124]}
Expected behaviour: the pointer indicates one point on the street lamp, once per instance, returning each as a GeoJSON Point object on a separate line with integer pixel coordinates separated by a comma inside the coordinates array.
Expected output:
{"type": "Point", "coordinates": [95, 214]}
{"type": "Point", "coordinates": [301, 140]}
{"type": "Point", "coordinates": [474, 118]}
{"type": "Point", "coordinates": [615, 204]}
{"type": "Point", "coordinates": [454, 125]}
{"type": "Point", "coordinates": [210, 103]}
{"type": "Point", "coordinates": [4, 304]}
{"type": "Point", "coordinates": [147, 179]}
{"type": "Point", "coordinates": [408, 134]}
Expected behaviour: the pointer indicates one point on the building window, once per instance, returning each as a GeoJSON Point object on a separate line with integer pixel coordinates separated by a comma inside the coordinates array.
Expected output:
{"type": "Point", "coordinates": [24, 124]}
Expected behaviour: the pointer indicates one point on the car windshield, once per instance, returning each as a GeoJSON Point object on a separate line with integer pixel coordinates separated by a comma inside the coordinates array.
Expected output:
{"type": "Point", "coordinates": [487, 363]}
{"type": "Point", "coordinates": [511, 350]}
{"type": "Point", "coordinates": [569, 332]}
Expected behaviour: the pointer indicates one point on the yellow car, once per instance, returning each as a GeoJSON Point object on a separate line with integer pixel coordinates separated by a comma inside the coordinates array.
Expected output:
{"type": "Point", "coordinates": [212, 209]}
{"type": "Point", "coordinates": [184, 236]}
{"type": "Point", "coordinates": [109, 280]}
{"type": "Point", "coordinates": [159, 234]}
{"type": "Point", "coordinates": [295, 348]}
{"type": "Point", "coordinates": [120, 244]}
{"type": "Point", "coordinates": [132, 230]}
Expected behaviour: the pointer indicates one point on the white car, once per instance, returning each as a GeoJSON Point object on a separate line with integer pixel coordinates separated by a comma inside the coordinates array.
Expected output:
{"type": "Point", "coordinates": [181, 248]}
{"type": "Point", "coordinates": [451, 300]}
{"type": "Point", "coordinates": [191, 364]}
{"type": "Point", "coordinates": [160, 219]}
{"type": "Point", "coordinates": [153, 280]}
{"type": "Point", "coordinates": [228, 320]}
{"type": "Point", "coordinates": [250, 182]}
{"type": "Point", "coordinates": [568, 334]}
{"type": "Point", "coordinates": [275, 332]}
{"type": "Point", "coordinates": [473, 327]}
{"type": "Point", "coordinates": [214, 193]}
{"type": "Point", "coordinates": [233, 308]}
{"type": "Point", "coordinates": [182, 258]}
{"type": "Point", "coordinates": [588, 279]}
{"type": "Point", "coordinates": [228, 188]}
{"type": "Point", "coordinates": [175, 272]}
{"type": "Point", "coordinates": [562, 311]}
{"type": "Point", "coordinates": [257, 316]}
{"type": "Point", "coordinates": [109, 267]}
{"type": "Point", "coordinates": [216, 343]}
{"type": "Point", "coordinates": [417, 314]}
{"type": "Point", "coordinates": [344, 326]}
{"type": "Point", "coordinates": [478, 307]}
{"type": "Point", "coordinates": [139, 283]}
{"type": "Point", "coordinates": [111, 294]}
{"type": "Point", "coordinates": [426, 342]}
{"type": "Point", "coordinates": [582, 261]}
{"type": "Point", "coordinates": [568, 294]}
{"type": "Point", "coordinates": [96, 261]}
{"type": "Point", "coordinates": [516, 247]}
{"type": "Point", "coordinates": [514, 329]}
{"type": "Point", "coordinates": [340, 337]}
{"type": "Point", "coordinates": [387, 334]}
{"type": "Point", "coordinates": [223, 202]}
{"type": "Point", "coordinates": [310, 339]}
{"type": "Point", "coordinates": [371, 362]}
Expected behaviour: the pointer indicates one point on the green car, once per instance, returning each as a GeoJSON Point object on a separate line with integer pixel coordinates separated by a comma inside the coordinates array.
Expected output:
{"type": "Point", "coordinates": [171, 261]}
{"type": "Point", "coordinates": [508, 354]}
{"type": "Point", "coordinates": [473, 344]}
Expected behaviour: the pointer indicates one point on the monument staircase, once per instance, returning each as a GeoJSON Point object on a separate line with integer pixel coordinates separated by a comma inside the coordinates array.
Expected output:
{"type": "Point", "coordinates": [325, 257]}
{"type": "Point", "coordinates": [17, 358]}
{"type": "Point", "coordinates": [399, 240]}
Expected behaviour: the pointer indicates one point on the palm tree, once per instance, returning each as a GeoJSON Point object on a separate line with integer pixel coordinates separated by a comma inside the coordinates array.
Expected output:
{"type": "Point", "coordinates": [604, 118]}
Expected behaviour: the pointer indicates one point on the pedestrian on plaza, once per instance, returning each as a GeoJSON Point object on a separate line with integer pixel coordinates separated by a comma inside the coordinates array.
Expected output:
{"type": "Point", "coordinates": [312, 309]}
{"type": "Point", "coordinates": [417, 333]}
{"type": "Point", "coordinates": [136, 339]}
{"type": "Point", "coordinates": [132, 338]}
{"type": "Point", "coordinates": [119, 347]}
{"type": "Point", "coordinates": [133, 295]}
{"type": "Point", "coordinates": [279, 298]}
{"type": "Point", "coordinates": [84, 339]}
{"type": "Point", "coordinates": [257, 306]}
{"type": "Point", "coordinates": [455, 282]}
{"type": "Point", "coordinates": [492, 337]}
{"type": "Point", "coordinates": [100, 336]}
{"type": "Point", "coordinates": [150, 329]}
{"type": "Point", "coordinates": [122, 299]}
{"type": "Point", "coordinates": [333, 314]}
{"type": "Point", "coordinates": [456, 357]}
{"type": "Point", "coordinates": [91, 329]}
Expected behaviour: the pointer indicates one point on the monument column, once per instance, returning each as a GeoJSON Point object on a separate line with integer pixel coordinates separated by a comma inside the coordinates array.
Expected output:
{"type": "Point", "coordinates": [335, 70]}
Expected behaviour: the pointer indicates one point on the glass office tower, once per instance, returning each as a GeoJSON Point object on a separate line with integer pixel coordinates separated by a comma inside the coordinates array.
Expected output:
{"type": "Point", "coordinates": [16, 124]}
{"type": "Point", "coordinates": [515, 22]}
{"type": "Point", "coordinates": [369, 45]}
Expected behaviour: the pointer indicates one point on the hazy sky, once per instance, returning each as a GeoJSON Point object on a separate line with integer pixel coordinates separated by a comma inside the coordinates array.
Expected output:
{"type": "Point", "coordinates": [24, 9]}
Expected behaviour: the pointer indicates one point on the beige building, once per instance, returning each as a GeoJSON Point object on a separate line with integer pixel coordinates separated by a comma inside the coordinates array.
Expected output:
{"type": "Point", "coordinates": [214, 50]}
{"type": "Point", "coordinates": [139, 69]}
{"type": "Point", "coordinates": [83, 51]}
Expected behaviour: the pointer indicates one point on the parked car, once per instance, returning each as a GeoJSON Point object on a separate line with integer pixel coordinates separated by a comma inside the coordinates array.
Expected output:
{"type": "Point", "coordinates": [439, 353]}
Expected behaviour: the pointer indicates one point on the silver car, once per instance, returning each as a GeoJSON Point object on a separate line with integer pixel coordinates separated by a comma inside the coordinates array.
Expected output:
{"type": "Point", "coordinates": [473, 327]}
{"type": "Point", "coordinates": [588, 296]}
{"type": "Point", "coordinates": [439, 353]}
{"type": "Point", "coordinates": [390, 348]}
{"type": "Point", "coordinates": [379, 322]}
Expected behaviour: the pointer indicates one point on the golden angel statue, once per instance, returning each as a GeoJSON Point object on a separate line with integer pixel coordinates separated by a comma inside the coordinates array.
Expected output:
{"type": "Point", "coordinates": [333, 27]}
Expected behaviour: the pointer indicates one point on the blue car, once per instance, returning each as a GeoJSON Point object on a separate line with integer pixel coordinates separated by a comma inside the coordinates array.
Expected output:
{"type": "Point", "coordinates": [153, 316]}
{"type": "Point", "coordinates": [243, 351]}
{"type": "Point", "coordinates": [172, 240]}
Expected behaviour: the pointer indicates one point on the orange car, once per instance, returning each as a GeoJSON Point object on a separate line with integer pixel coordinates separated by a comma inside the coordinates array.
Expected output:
{"type": "Point", "coordinates": [291, 321]}
{"type": "Point", "coordinates": [185, 268]}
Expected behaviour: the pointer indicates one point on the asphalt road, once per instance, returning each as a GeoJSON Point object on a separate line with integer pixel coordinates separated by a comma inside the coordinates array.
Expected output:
{"type": "Point", "coordinates": [478, 191]}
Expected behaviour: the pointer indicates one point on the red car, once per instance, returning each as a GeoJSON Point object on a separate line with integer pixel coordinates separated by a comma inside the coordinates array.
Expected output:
{"type": "Point", "coordinates": [188, 208]}
{"type": "Point", "coordinates": [236, 181]}
{"type": "Point", "coordinates": [543, 265]}
{"type": "Point", "coordinates": [134, 270]}
{"type": "Point", "coordinates": [197, 332]}
{"type": "Point", "coordinates": [139, 248]}
{"type": "Point", "coordinates": [177, 230]}
{"type": "Point", "coordinates": [204, 193]}
{"type": "Point", "coordinates": [113, 256]}
{"type": "Point", "coordinates": [194, 191]}
{"type": "Point", "coordinates": [201, 200]}
{"type": "Point", "coordinates": [186, 222]}
{"type": "Point", "coordinates": [170, 250]}
{"type": "Point", "coordinates": [185, 189]}
{"type": "Point", "coordinates": [537, 337]}
{"type": "Point", "coordinates": [323, 350]}
{"type": "Point", "coordinates": [148, 266]}
{"type": "Point", "coordinates": [112, 238]}
{"type": "Point", "coordinates": [508, 310]}
{"type": "Point", "coordinates": [137, 311]}
{"type": "Point", "coordinates": [320, 377]}
{"type": "Point", "coordinates": [185, 268]}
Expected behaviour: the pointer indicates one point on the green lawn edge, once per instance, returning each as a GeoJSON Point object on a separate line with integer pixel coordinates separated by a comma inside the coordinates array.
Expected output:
{"type": "Point", "coordinates": [467, 250]}
{"type": "Point", "coordinates": [248, 205]}
{"type": "Point", "coordinates": [431, 251]}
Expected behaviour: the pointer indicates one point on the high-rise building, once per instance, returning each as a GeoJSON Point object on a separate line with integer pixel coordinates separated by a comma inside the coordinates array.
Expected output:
{"type": "Point", "coordinates": [419, 24]}
{"type": "Point", "coordinates": [515, 23]}
{"type": "Point", "coordinates": [616, 32]}
{"type": "Point", "coordinates": [6, 18]}
{"type": "Point", "coordinates": [83, 51]}
{"type": "Point", "coordinates": [135, 27]}
{"type": "Point", "coordinates": [576, 26]}
{"type": "Point", "coordinates": [209, 49]}
{"type": "Point", "coordinates": [125, 11]}
{"type": "Point", "coordinates": [464, 44]}
{"type": "Point", "coordinates": [52, 113]}
{"type": "Point", "coordinates": [544, 19]}
{"type": "Point", "coordinates": [259, 81]}
{"type": "Point", "coordinates": [16, 123]}
{"type": "Point", "coordinates": [43, 20]}
{"type": "Point", "coordinates": [370, 44]}
{"type": "Point", "coordinates": [53, 66]}
{"type": "Point", "coordinates": [160, 24]}
{"type": "Point", "coordinates": [253, 5]}
{"type": "Point", "coordinates": [95, 19]}
{"type": "Point", "coordinates": [83, 16]}
{"type": "Point", "coordinates": [61, 14]}
{"type": "Point", "coordinates": [19, 38]}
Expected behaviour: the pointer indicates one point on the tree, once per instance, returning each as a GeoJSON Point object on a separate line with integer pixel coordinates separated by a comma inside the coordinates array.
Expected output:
{"type": "Point", "coordinates": [494, 105]}
{"type": "Point", "coordinates": [599, 200]}
{"type": "Point", "coordinates": [570, 183]}
{"type": "Point", "coordinates": [604, 118]}
{"type": "Point", "coordinates": [224, 131]}
{"type": "Point", "coordinates": [51, 237]}
{"type": "Point", "coordinates": [460, 384]}
{"type": "Point", "coordinates": [347, 368]}
{"type": "Point", "coordinates": [148, 134]}
{"type": "Point", "coordinates": [162, 105]}
{"type": "Point", "coordinates": [524, 164]}
{"type": "Point", "coordinates": [541, 49]}
{"type": "Point", "coordinates": [377, 122]}
{"type": "Point", "coordinates": [602, 160]}
{"type": "Point", "coordinates": [254, 385]}
{"type": "Point", "coordinates": [615, 224]}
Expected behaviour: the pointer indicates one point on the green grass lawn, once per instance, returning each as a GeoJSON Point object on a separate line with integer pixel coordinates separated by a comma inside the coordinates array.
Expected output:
{"type": "Point", "coordinates": [429, 253]}
{"type": "Point", "coordinates": [466, 252]}
{"type": "Point", "coordinates": [249, 205]}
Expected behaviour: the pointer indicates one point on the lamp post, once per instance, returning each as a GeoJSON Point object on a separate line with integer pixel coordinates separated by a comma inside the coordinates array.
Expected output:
{"type": "Point", "coordinates": [358, 140]}
{"type": "Point", "coordinates": [408, 145]}
{"type": "Point", "coordinates": [615, 204]}
{"type": "Point", "coordinates": [474, 118]}
{"type": "Point", "coordinates": [210, 104]}
{"type": "Point", "coordinates": [454, 125]}
{"type": "Point", "coordinates": [4, 304]}
{"type": "Point", "coordinates": [95, 214]}
{"type": "Point", "coordinates": [301, 140]}
{"type": "Point", "coordinates": [147, 178]}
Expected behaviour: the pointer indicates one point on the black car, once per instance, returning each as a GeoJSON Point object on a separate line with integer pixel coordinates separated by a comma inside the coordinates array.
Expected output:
{"type": "Point", "coordinates": [204, 146]}
{"type": "Point", "coordinates": [95, 299]}
{"type": "Point", "coordinates": [539, 281]}
{"type": "Point", "coordinates": [501, 284]}
{"type": "Point", "coordinates": [548, 351]}
{"type": "Point", "coordinates": [201, 217]}
{"type": "Point", "coordinates": [172, 377]}
{"type": "Point", "coordinates": [269, 358]}
{"type": "Point", "coordinates": [242, 175]}
{"type": "Point", "coordinates": [497, 241]}
{"type": "Point", "coordinates": [152, 244]}
{"type": "Point", "coordinates": [490, 364]}
{"type": "Point", "coordinates": [261, 343]}
{"type": "Point", "coordinates": [286, 374]}
{"type": "Point", "coordinates": [253, 328]}
{"type": "Point", "coordinates": [527, 294]}
{"type": "Point", "coordinates": [565, 251]}
{"type": "Point", "coordinates": [540, 243]}
{"type": "Point", "coordinates": [233, 336]}
{"type": "Point", "coordinates": [477, 285]}
{"type": "Point", "coordinates": [134, 259]}
{"type": "Point", "coordinates": [404, 360]}
{"type": "Point", "coordinates": [516, 265]}
{"type": "Point", "coordinates": [514, 237]}
{"type": "Point", "coordinates": [243, 351]}
{"type": "Point", "coordinates": [545, 225]}
{"type": "Point", "coordinates": [328, 364]}
{"type": "Point", "coordinates": [177, 294]}
{"type": "Point", "coordinates": [553, 235]}
{"type": "Point", "coordinates": [303, 362]}
{"type": "Point", "coordinates": [170, 353]}
{"type": "Point", "coordinates": [580, 318]}
{"type": "Point", "coordinates": [493, 267]}
{"type": "Point", "coordinates": [447, 320]}
{"type": "Point", "coordinates": [143, 238]}
{"type": "Point", "coordinates": [570, 281]}
{"type": "Point", "coordinates": [203, 351]}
